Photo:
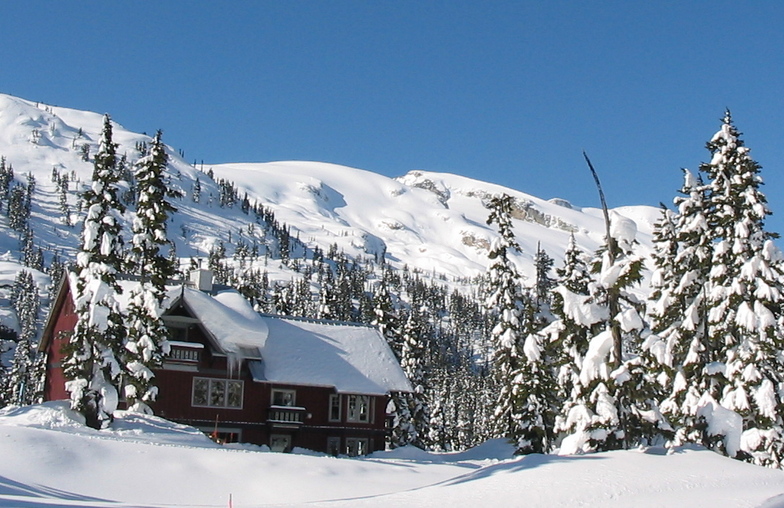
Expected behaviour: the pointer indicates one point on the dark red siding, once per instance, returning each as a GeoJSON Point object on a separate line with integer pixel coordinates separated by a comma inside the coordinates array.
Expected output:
{"type": "Point", "coordinates": [54, 387]}
{"type": "Point", "coordinates": [252, 420]}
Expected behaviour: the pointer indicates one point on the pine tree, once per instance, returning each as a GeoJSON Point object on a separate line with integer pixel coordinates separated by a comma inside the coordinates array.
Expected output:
{"type": "Point", "coordinates": [20, 380]}
{"type": "Point", "coordinates": [6, 177]}
{"type": "Point", "coordinates": [505, 304]}
{"type": "Point", "coordinates": [578, 318]}
{"type": "Point", "coordinates": [18, 211]}
{"type": "Point", "coordinates": [745, 298]}
{"type": "Point", "coordinates": [147, 334]}
{"type": "Point", "coordinates": [92, 361]}
{"type": "Point", "coordinates": [682, 254]}
{"type": "Point", "coordinates": [412, 419]}
{"type": "Point", "coordinates": [196, 193]}
{"type": "Point", "coordinates": [385, 316]}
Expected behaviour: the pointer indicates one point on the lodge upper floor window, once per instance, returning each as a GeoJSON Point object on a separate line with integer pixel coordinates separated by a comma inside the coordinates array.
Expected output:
{"type": "Point", "coordinates": [358, 408]}
{"type": "Point", "coordinates": [283, 397]}
{"type": "Point", "coordinates": [334, 408]}
{"type": "Point", "coordinates": [209, 392]}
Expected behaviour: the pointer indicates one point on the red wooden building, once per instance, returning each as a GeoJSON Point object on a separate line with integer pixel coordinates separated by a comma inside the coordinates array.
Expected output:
{"type": "Point", "coordinates": [248, 377]}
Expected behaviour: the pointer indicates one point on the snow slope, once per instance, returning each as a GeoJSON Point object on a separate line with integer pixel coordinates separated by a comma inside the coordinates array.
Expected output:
{"type": "Point", "coordinates": [430, 221]}
{"type": "Point", "coordinates": [50, 459]}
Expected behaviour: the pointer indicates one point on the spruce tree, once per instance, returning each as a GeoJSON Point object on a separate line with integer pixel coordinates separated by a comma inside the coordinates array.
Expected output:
{"type": "Point", "coordinates": [577, 319]}
{"type": "Point", "coordinates": [745, 298]}
{"type": "Point", "coordinates": [385, 316]}
{"type": "Point", "coordinates": [414, 418]}
{"type": "Point", "coordinates": [678, 311]}
{"type": "Point", "coordinates": [147, 334]}
{"type": "Point", "coordinates": [92, 361]}
{"type": "Point", "coordinates": [505, 304]}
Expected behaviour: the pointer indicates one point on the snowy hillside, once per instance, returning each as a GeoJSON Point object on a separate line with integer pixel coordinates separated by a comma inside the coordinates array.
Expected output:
{"type": "Point", "coordinates": [428, 221]}
{"type": "Point", "coordinates": [50, 459]}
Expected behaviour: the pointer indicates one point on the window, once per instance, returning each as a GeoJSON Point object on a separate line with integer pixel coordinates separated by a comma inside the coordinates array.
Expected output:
{"type": "Point", "coordinates": [283, 397]}
{"type": "Point", "coordinates": [208, 392]}
{"type": "Point", "coordinates": [358, 408]}
{"type": "Point", "coordinates": [334, 408]}
{"type": "Point", "coordinates": [356, 446]}
{"type": "Point", "coordinates": [333, 446]}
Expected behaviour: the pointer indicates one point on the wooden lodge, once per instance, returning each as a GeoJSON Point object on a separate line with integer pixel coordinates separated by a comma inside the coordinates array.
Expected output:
{"type": "Point", "coordinates": [242, 376]}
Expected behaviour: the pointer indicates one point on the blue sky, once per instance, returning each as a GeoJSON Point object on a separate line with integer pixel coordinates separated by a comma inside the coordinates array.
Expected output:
{"type": "Point", "coordinates": [507, 92]}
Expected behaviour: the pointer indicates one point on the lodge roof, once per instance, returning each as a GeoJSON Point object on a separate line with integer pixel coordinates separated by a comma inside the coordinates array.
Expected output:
{"type": "Point", "coordinates": [350, 357]}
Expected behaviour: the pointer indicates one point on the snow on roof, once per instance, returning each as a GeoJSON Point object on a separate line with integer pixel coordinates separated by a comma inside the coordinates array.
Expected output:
{"type": "Point", "coordinates": [229, 318]}
{"type": "Point", "coordinates": [349, 357]}
{"type": "Point", "coordinates": [352, 358]}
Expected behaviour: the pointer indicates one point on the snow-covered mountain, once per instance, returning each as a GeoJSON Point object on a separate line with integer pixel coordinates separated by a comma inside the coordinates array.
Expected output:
{"type": "Point", "coordinates": [433, 222]}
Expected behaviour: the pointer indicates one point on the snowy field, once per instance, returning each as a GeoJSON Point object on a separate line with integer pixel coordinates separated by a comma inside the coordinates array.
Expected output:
{"type": "Point", "coordinates": [50, 460]}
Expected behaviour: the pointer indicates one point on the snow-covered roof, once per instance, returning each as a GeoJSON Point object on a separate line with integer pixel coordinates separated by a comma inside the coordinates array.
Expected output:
{"type": "Point", "coordinates": [237, 329]}
{"type": "Point", "coordinates": [352, 358]}
{"type": "Point", "coordinates": [349, 357]}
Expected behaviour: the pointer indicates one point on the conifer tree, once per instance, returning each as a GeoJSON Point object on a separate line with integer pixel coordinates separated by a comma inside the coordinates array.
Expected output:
{"type": "Point", "coordinates": [745, 298]}
{"type": "Point", "coordinates": [505, 304]}
{"type": "Point", "coordinates": [385, 316]}
{"type": "Point", "coordinates": [578, 318]}
{"type": "Point", "coordinates": [413, 416]}
{"type": "Point", "coordinates": [19, 378]}
{"type": "Point", "coordinates": [633, 385]}
{"type": "Point", "coordinates": [92, 361]}
{"type": "Point", "coordinates": [678, 312]}
{"type": "Point", "coordinates": [147, 334]}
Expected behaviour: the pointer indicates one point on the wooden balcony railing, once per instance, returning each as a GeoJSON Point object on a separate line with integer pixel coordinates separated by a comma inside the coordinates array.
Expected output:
{"type": "Point", "coordinates": [286, 415]}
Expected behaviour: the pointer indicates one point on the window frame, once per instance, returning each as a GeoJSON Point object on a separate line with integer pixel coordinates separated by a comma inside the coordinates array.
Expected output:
{"type": "Point", "coordinates": [353, 409]}
{"type": "Point", "coordinates": [210, 393]}
{"type": "Point", "coordinates": [357, 446]}
{"type": "Point", "coordinates": [284, 391]}
{"type": "Point", "coordinates": [330, 415]}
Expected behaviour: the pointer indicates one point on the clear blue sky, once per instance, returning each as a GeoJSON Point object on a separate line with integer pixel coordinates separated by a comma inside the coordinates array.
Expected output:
{"type": "Point", "coordinates": [508, 92]}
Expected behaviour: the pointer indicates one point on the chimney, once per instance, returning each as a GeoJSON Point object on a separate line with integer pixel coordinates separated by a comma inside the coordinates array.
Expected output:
{"type": "Point", "coordinates": [202, 279]}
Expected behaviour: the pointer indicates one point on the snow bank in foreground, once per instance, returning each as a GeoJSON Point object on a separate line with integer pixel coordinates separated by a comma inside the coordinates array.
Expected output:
{"type": "Point", "coordinates": [50, 459]}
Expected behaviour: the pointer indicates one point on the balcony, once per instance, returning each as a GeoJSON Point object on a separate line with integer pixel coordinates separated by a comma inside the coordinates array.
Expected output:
{"type": "Point", "coordinates": [290, 417]}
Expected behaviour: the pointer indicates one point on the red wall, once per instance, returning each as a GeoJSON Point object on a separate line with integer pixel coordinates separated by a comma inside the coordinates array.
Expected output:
{"type": "Point", "coordinates": [54, 387]}
{"type": "Point", "coordinates": [174, 399]}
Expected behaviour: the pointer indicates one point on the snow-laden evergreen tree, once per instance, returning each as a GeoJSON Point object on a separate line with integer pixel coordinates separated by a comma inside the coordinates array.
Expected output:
{"type": "Point", "coordinates": [678, 311]}
{"type": "Point", "coordinates": [20, 379]}
{"type": "Point", "coordinates": [543, 264]}
{"type": "Point", "coordinates": [537, 392]}
{"type": "Point", "coordinates": [92, 361]}
{"type": "Point", "coordinates": [505, 304]}
{"type": "Point", "coordinates": [385, 316]}
{"type": "Point", "coordinates": [577, 318]}
{"type": "Point", "coordinates": [327, 296]}
{"type": "Point", "coordinates": [6, 177]}
{"type": "Point", "coordinates": [414, 419]}
{"type": "Point", "coordinates": [147, 334]}
{"type": "Point", "coordinates": [745, 298]}
{"type": "Point", "coordinates": [18, 209]}
{"type": "Point", "coordinates": [619, 405]}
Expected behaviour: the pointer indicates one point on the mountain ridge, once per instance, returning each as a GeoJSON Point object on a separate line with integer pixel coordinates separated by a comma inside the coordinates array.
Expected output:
{"type": "Point", "coordinates": [433, 222]}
